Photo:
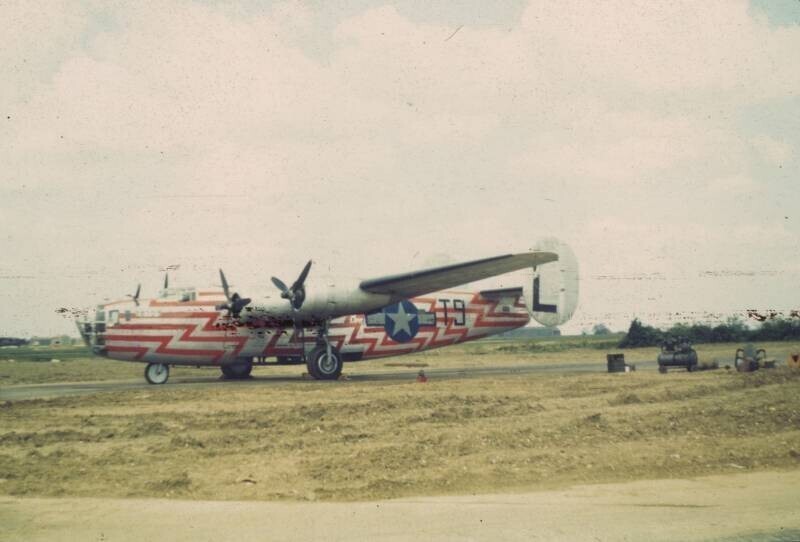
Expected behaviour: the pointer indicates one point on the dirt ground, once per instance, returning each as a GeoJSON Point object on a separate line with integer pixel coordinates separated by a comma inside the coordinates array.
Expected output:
{"type": "Point", "coordinates": [349, 440]}
{"type": "Point", "coordinates": [369, 441]}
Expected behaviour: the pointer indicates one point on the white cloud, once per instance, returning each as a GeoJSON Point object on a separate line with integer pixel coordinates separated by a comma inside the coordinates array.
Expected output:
{"type": "Point", "coordinates": [712, 49]}
{"type": "Point", "coordinates": [615, 125]}
{"type": "Point", "coordinates": [773, 151]}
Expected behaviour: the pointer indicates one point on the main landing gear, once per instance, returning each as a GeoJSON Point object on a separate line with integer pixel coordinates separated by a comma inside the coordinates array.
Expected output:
{"type": "Point", "coordinates": [156, 373]}
{"type": "Point", "coordinates": [324, 362]}
{"type": "Point", "coordinates": [238, 370]}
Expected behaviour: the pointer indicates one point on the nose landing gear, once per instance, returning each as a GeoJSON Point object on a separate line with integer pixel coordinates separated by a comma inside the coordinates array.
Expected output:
{"type": "Point", "coordinates": [156, 373]}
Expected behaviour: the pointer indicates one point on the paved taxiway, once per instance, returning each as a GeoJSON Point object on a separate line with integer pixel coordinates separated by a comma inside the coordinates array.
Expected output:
{"type": "Point", "coordinates": [43, 391]}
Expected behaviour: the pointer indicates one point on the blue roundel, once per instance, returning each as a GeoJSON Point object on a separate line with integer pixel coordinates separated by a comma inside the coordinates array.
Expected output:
{"type": "Point", "coordinates": [401, 321]}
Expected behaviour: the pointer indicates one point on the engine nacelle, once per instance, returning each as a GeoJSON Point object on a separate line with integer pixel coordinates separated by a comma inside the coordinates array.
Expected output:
{"type": "Point", "coordinates": [551, 290]}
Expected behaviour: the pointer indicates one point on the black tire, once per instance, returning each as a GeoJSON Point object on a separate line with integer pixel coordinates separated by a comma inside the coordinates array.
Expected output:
{"type": "Point", "coordinates": [662, 369]}
{"type": "Point", "coordinates": [237, 371]}
{"type": "Point", "coordinates": [156, 373]}
{"type": "Point", "coordinates": [289, 360]}
{"type": "Point", "coordinates": [322, 368]}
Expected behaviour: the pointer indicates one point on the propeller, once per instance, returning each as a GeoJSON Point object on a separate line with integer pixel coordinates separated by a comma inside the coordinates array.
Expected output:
{"type": "Point", "coordinates": [297, 293]}
{"type": "Point", "coordinates": [235, 302]}
{"type": "Point", "coordinates": [135, 296]}
{"type": "Point", "coordinates": [166, 280]}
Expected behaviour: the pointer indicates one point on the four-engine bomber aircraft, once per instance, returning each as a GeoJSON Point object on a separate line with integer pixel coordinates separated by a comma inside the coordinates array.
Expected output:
{"type": "Point", "coordinates": [327, 324]}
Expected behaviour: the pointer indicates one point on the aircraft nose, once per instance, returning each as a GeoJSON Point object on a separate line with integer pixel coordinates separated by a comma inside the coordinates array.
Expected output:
{"type": "Point", "coordinates": [84, 326]}
{"type": "Point", "coordinates": [85, 330]}
{"type": "Point", "coordinates": [91, 326]}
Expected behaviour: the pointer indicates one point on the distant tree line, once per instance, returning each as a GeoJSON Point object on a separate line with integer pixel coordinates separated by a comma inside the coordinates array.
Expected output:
{"type": "Point", "coordinates": [733, 330]}
{"type": "Point", "coordinates": [12, 341]}
{"type": "Point", "coordinates": [531, 332]}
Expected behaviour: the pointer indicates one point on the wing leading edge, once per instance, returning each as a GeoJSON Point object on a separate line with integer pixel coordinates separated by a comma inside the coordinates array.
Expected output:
{"type": "Point", "coordinates": [417, 283]}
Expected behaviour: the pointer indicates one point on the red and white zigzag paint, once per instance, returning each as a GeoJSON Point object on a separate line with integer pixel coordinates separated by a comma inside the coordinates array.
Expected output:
{"type": "Point", "coordinates": [195, 333]}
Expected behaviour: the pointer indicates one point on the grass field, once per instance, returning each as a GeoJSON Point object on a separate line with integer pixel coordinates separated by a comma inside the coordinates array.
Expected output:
{"type": "Point", "coordinates": [352, 440]}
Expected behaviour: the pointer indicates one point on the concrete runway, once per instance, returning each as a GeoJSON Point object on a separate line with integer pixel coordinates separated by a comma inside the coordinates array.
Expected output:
{"type": "Point", "coordinates": [43, 391]}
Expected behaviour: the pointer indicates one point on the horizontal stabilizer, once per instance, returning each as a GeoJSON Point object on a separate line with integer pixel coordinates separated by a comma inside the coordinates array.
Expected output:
{"type": "Point", "coordinates": [501, 293]}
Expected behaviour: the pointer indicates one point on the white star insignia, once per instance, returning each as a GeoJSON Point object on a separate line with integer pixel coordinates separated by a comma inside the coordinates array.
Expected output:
{"type": "Point", "coordinates": [401, 320]}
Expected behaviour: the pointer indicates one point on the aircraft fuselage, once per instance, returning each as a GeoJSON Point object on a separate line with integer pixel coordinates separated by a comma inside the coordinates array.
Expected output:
{"type": "Point", "coordinates": [184, 327]}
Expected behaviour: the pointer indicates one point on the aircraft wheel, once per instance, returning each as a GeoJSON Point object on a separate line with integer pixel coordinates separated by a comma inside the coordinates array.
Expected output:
{"type": "Point", "coordinates": [156, 373]}
{"type": "Point", "coordinates": [324, 367]}
{"type": "Point", "coordinates": [237, 371]}
{"type": "Point", "coordinates": [662, 369]}
{"type": "Point", "coordinates": [288, 360]}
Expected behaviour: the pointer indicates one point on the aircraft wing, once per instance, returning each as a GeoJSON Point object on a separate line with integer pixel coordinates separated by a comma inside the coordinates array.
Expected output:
{"type": "Point", "coordinates": [417, 283]}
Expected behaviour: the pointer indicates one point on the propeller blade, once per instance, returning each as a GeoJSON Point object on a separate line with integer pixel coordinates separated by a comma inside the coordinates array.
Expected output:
{"type": "Point", "coordinates": [302, 278]}
{"type": "Point", "coordinates": [235, 302]}
{"type": "Point", "coordinates": [297, 293]}
{"type": "Point", "coordinates": [280, 285]}
{"type": "Point", "coordinates": [224, 285]}
{"type": "Point", "coordinates": [135, 297]}
{"type": "Point", "coordinates": [166, 280]}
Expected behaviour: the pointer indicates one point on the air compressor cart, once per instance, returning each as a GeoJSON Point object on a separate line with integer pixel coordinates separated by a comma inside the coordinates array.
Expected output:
{"type": "Point", "coordinates": [677, 353]}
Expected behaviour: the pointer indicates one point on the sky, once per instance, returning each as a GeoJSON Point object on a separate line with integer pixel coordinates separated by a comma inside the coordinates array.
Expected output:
{"type": "Point", "coordinates": [660, 140]}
